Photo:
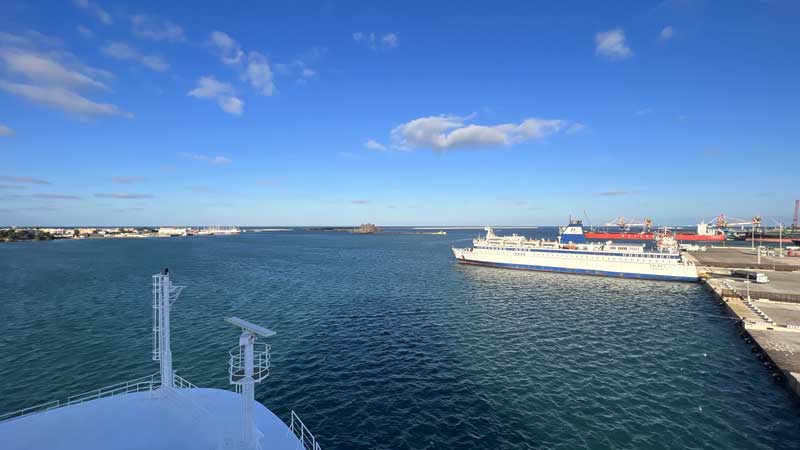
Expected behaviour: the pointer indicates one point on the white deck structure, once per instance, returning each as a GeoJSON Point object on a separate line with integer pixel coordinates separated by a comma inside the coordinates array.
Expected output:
{"type": "Point", "coordinates": [191, 418]}
{"type": "Point", "coordinates": [163, 410]}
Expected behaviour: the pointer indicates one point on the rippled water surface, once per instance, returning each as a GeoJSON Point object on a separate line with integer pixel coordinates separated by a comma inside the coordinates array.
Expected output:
{"type": "Point", "coordinates": [385, 343]}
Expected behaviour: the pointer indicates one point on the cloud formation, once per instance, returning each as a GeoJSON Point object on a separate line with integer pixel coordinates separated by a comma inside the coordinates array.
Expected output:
{"type": "Point", "coordinates": [43, 196]}
{"type": "Point", "coordinates": [124, 52]}
{"type": "Point", "coordinates": [62, 99]}
{"type": "Point", "coordinates": [95, 10]}
{"type": "Point", "coordinates": [374, 41]}
{"type": "Point", "coordinates": [211, 89]}
{"type": "Point", "coordinates": [611, 45]}
{"type": "Point", "coordinates": [218, 160]}
{"type": "Point", "coordinates": [123, 195]}
{"type": "Point", "coordinates": [127, 179]}
{"type": "Point", "coordinates": [25, 180]}
{"type": "Point", "coordinates": [616, 193]}
{"type": "Point", "coordinates": [577, 128]}
{"type": "Point", "coordinates": [667, 33]}
{"type": "Point", "coordinates": [6, 131]}
{"type": "Point", "coordinates": [453, 132]}
{"type": "Point", "coordinates": [374, 145]}
{"type": "Point", "coordinates": [39, 71]}
{"type": "Point", "coordinates": [156, 29]}
{"type": "Point", "coordinates": [230, 51]}
{"type": "Point", "coordinates": [259, 74]}
{"type": "Point", "coordinates": [85, 32]}
{"type": "Point", "coordinates": [360, 202]}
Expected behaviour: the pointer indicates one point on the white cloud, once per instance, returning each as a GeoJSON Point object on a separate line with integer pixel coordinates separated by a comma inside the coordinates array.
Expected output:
{"type": "Point", "coordinates": [39, 70]}
{"type": "Point", "coordinates": [643, 111]}
{"type": "Point", "coordinates": [45, 70]}
{"type": "Point", "coordinates": [230, 52]}
{"type": "Point", "coordinates": [62, 99]}
{"type": "Point", "coordinates": [259, 74]}
{"type": "Point", "coordinates": [127, 179]}
{"type": "Point", "coordinates": [25, 180]}
{"type": "Point", "coordinates": [155, 28]}
{"type": "Point", "coordinates": [452, 132]}
{"type": "Point", "coordinates": [85, 32]}
{"type": "Point", "coordinates": [577, 128]}
{"type": "Point", "coordinates": [95, 10]}
{"type": "Point", "coordinates": [667, 33]}
{"type": "Point", "coordinates": [6, 131]}
{"type": "Point", "coordinates": [124, 195]}
{"type": "Point", "coordinates": [611, 44]}
{"type": "Point", "coordinates": [389, 40]}
{"type": "Point", "coordinates": [231, 105]}
{"type": "Point", "coordinates": [210, 88]}
{"type": "Point", "coordinates": [374, 145]}
{"type": "Point", "coordinates": [124, 52]}
{"type": "Point", "coordinates": [373, 41]}
{"type": "Point", "coordinates": [218, 160]}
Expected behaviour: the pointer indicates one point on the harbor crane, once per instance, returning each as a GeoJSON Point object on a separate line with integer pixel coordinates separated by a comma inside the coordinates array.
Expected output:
{"type": "Point", "coordinates": [723, 222]}
{"type": "Point", "coordinates": [626, 224]}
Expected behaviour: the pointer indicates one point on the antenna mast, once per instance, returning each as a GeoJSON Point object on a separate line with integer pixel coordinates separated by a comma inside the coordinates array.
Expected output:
{"type": "Point", "coordinates": [164, 295]}
{"type": "Point", "coordinates": [249, 364]}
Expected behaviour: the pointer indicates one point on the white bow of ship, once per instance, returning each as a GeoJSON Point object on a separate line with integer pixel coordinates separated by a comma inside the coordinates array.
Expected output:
{"type": "Point", "coordinates": [163, 410]}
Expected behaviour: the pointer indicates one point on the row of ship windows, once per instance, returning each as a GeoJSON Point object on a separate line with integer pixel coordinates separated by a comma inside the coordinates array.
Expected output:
{"type": "Point", "coordinates": [624, 255]}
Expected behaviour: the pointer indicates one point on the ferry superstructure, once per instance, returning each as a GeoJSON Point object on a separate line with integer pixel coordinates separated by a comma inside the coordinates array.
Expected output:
{"type": "Point", "coordinates": [573, 254]}
{"type": "Point", "coordinates": [163, 411]}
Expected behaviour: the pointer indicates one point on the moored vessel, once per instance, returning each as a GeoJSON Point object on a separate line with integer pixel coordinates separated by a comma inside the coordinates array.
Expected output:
{"type": "Point", "coordinates": [571, 253]}
{"type": "Point", "coordinates": [703, 233]}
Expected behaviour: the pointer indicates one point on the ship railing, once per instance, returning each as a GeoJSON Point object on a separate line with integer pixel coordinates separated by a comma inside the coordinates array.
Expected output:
{"type": "Point", "coordinates": [30, 410]}
{"type": "Point", "coordinates": [303, 433]}
{"type": "Point", "coordinates": [146, 383]}
{"type": "Point", "coordinates": [142, 384]}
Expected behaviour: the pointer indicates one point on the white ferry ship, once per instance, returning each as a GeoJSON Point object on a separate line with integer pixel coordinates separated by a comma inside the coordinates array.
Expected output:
{"type": "Point", "coordinates": [571, 253]}
{"type": "Point", "coordinates": [163, 411]}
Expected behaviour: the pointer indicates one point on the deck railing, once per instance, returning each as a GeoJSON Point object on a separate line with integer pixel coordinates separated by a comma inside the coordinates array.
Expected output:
{"type": "Point", "coordinates": [302, 432]}
{"type": "Point", "coordinates": [30, 410]}
{"type": "Point", "coordinates": [142, 384]}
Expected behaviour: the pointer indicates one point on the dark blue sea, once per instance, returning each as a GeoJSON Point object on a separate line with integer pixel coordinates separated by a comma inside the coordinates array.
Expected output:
{"type": "Point", "coordinates": [384, 342]}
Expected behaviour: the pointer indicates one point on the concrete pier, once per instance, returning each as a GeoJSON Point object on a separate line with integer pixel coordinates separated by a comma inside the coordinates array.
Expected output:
{"type": "Point", "coordinates": [769, 312]}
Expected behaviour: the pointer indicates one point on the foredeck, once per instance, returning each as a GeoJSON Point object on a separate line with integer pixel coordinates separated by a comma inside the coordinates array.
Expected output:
{"type": "Point", "coordinates": [195, 418]}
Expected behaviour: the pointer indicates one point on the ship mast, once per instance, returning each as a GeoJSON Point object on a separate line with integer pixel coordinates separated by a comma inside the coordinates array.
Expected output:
{"type": "Point", "coordinates": [164, 295]}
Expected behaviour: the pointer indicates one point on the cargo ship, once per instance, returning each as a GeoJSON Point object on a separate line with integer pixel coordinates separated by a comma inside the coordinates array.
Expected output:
{"type": "Point", "coordinates": [571, 253]}
{"type": "Point", "coordinates": [704, 233]}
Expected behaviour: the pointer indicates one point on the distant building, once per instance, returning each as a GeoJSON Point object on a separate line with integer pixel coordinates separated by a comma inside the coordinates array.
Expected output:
{"type": "Point", "coordinates": [367, 228]}
{"type": "Point", "coordinates": [172, 231]}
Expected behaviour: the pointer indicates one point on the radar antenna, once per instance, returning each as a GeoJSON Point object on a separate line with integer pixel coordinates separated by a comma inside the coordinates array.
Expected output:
{"type": "Point", "coordinates": [164, 295]}
{"type": "Point", "coordinates": [249, 364]}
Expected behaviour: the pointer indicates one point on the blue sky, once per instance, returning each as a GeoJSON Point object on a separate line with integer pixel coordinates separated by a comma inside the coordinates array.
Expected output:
{"type": "Point", "coordinates": [398, 113]}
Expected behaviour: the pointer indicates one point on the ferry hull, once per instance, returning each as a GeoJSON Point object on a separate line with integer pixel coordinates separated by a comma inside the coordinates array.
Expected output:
{"type": "Point", "coordinates": [620, 270]}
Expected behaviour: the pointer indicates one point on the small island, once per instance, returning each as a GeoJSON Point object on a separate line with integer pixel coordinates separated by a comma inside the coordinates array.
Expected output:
{"type": "Point", "coordinates": [367, 228]}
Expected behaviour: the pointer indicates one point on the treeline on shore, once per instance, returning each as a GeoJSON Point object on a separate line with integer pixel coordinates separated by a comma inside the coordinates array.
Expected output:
{"type": "Point", "coordinates": [11, 235]}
